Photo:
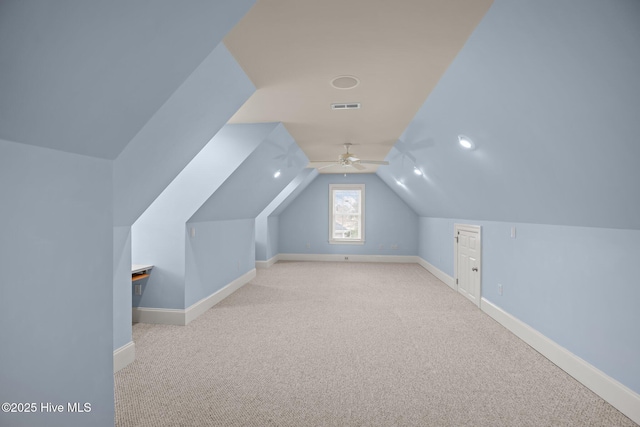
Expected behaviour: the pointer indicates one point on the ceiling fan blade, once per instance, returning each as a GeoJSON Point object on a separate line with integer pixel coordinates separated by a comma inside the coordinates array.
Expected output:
{"type": "Point", "coordinates": [326, 166]}
{"type": "Point", "coordinates": [358, 166]}
{"type": "Point", "coordinates": [321, 163]}
{"type": "Point", "coordinates": [352, 159]}
{"type": "Point", "coordinates": [374, 162]}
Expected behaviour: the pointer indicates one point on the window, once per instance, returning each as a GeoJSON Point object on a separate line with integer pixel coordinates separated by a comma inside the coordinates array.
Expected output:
{"type": "Point", "coordinates": [346, 213]}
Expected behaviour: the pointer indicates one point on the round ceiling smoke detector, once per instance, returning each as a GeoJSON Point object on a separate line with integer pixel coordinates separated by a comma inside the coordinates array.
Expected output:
{"type": "Point", "coordinates": [345, 82]}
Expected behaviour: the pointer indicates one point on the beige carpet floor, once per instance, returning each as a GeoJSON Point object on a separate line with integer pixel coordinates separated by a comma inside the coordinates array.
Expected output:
{"type": "Point", "coordinates": [347, 344]}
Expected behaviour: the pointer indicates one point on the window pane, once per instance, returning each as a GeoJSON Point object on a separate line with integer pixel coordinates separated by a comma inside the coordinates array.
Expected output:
{"type": "Point", "coordinates": [347, 213]}
{"type": "Point", "coordinates": [352, 223]}
{"type": "Point", "coordinates": [346, 226]}
{"type": "Point", "coordinates": [339, 229]}
{"type": "Point", "coordinates": [346, 201]}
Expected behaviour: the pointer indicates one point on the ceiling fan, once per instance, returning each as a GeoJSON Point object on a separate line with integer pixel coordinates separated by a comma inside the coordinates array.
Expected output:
{"type": "Point", "coordinates": [345, 160]}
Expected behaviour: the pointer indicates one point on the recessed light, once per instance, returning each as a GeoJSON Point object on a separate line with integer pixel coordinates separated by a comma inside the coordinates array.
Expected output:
{"type": "Point", "coordinates": [277, 174]}
{"type": "Point", "coordinates": [466, 143]}
{"type": "Point", "coordinates": [417, 171]}
{"type": "Point", "coordinates": [345, 82]}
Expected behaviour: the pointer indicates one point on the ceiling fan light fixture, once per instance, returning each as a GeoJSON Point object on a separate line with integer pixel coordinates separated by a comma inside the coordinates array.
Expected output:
{"type": "Point", "coordinates": [466, 142]}
{"type": "Point", "coordinates": [277, 174]}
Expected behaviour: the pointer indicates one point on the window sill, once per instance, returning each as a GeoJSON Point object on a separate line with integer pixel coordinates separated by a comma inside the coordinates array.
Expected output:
{"type": "Point", "coordinates": [346, 242]}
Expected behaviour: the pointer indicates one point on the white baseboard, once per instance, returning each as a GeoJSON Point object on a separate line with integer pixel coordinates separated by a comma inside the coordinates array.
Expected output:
{"type": "Point", "coordinates": [182, 317]}
{"type": "Point", "coordinates": [124, 356]}
{"type": "Point", "coordinates": [205, 304]}
{"type": "Point", "coordinates": [268, 263]}
{"type": "Point", "coordinates": [618, 395]}
{"type": "Point", "coordinates": [448, 280]}
{"type": "Point", "coordinates": [348, 258]}
{"type": "Point", "coordinates": [162, 316]}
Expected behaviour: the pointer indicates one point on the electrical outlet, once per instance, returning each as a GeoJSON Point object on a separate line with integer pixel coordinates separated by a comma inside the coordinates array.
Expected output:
{"type": "Point", "coordinates": [138, 289]}
{"type": "Point", "coordinates": [346, 258]}
{"type": "Point", "coordinates": [499, 289]}
{"type": "Point", "coordinates": [193, 232]}
{"type": "Point", "coordinates": [308, 245]}
{"type": "Point", "coordinates": [513, 232]}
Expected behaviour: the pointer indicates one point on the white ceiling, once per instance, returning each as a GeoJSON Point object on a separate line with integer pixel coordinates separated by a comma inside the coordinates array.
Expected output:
{"type": "Point", "coordinates": [292, 49]}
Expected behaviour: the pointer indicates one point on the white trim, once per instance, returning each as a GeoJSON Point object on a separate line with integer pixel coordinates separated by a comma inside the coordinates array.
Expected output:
{"type": "Point", "coordinates": [162, 316]}
{"type": "Point", "coordinates": [346, 242]}
{"type": "Point", "coordinates": [358, 187]}
{"type": "Point", "coordinates": [139, 268]}
{"type": "Point", "coordinates": [448, 280]}
{"type": "Point", "coordinates": [124, 356]}
{"type": "Point", "coordinates": [618, 395]}
{"type": "Point", "coordinates": [205, 304]}
{"type": "Point", "coordinates": [268, 263]}
{"type": "Point", "coordinates": [351, 258]}
{"type": "Point", "coordinates": [472, 229]}
{"type": "Point", "coordinates": [182, 317]}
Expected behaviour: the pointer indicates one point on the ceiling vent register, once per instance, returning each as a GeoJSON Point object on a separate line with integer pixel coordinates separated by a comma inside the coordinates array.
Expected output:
{"type": "Point", "coordinates": [349, 106]}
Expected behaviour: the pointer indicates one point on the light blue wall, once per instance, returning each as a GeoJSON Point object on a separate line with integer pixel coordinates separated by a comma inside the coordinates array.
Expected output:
{"type": "Point", "coordinates": [122, 286]}
{"type": "Point", "coordinates": [267, 230]}
{"type": "Point", "coordinates": [160, 244]}
{"type": "Point", "coordinates": [267, 222]}
{"type": "Point", "coordinates": [220, 252]}
{"type": "Point", "coordinates": [273, 236]}
{"type": "Point", "coordinates": [151, 161]}
{"type": "Point", "coordinates": [436, 243]}
{"type": "Point", "coordinates": [56, 251]}
{"type": "Point", "coordinates": [388, 220]}
{"type": "Point", "coordinates": [228, 217]}
{"type": "Point", "coordinates": [158, 236]}
{"type": "Point", "coordinates": [303, 180]}
{"type": "Point", "coordinates": [230, 179]}
{"type": "Point", "coordinates": [575, 285]}
{"type": "Point", "coordinates": [160, 97]}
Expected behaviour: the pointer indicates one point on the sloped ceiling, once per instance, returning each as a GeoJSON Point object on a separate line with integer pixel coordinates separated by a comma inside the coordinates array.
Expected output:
{"type": "Point", "coordinates": [398, 50]}
{"type": "Point", "coordinates": [292, 191]}
{"type": "Point", "coordinates": [84, 77]}
{"type": "Point", "coordinates": [549, 93]}
{"type": "Point", "coordinates": [177, 132]}
{"type": "Point", "coordinates": [206, 173]}
{"type": "Point", "coordinates": [254, 184]}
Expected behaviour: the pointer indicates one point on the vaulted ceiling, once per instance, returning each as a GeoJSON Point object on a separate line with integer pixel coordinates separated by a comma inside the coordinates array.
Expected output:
{"type": "Point", "coordinates": [547, 90]}
{"type": "Point", "coordinates": [397, 51]}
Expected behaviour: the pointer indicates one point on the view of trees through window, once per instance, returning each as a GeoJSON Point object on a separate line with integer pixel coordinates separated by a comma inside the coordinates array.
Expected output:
{"type": "Point", "coordinates": [347, 214]}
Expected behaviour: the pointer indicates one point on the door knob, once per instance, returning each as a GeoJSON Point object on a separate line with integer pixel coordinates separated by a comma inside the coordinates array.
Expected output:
{"type": "Point", "coordinates": [474, 269]}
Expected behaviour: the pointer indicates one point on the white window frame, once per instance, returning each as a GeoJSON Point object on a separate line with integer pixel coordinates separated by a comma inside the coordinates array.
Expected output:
{"type": "Point", "coordinates": [346, 241]}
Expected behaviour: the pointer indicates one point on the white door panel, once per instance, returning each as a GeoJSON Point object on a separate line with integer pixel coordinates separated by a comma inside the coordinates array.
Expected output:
{"type": "Point", "coordinates": [468, 263]}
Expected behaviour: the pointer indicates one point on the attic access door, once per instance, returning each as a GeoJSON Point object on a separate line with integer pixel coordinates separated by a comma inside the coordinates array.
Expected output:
{"type": "Point", "coordinates": [468, 255]}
